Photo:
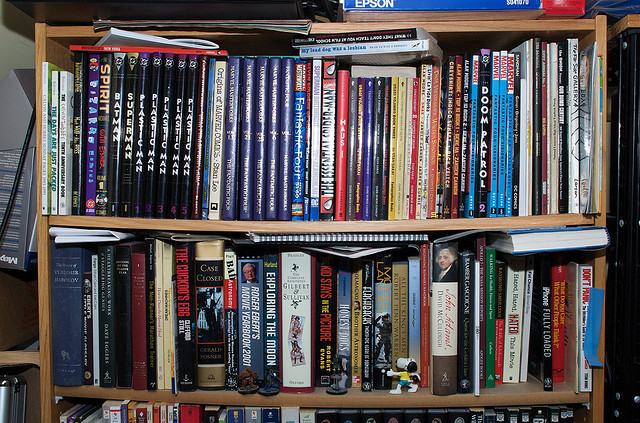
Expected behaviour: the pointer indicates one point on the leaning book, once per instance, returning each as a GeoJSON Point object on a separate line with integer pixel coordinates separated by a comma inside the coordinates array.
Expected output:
{"type": "Point", "coordinates": [528, 241]}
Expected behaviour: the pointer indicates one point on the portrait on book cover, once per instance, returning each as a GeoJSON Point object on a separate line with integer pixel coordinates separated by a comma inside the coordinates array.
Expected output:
{"type": "Point", "coordinates": [210, 314]}
{"type": "Point", "coordinates": [445, 262]}
{"type": "Point", "coordinates": [251, 270]}
{"type": "Point", "coordinates": [296, 352]}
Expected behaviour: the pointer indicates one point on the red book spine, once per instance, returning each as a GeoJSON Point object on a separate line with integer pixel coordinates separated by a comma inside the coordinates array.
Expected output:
{"type": "Point", "coordinates": [342, 123]}
{"type": "Point", "coordinates": [558, 292]}
{"type": "Point", "coordinates": [424, 315]}
{"type": "Point", "coordinates": [139, 320]}
{"type": "Point", "coordinates": [413, 171]}
{"type": "Point", "coordinates": [191, 413]}
{"type": "Point", "coordinates": [434, 141]}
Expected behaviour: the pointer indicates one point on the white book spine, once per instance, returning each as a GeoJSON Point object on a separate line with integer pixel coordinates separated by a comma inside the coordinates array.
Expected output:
{"type": "Point", "coordinates": [400, 147]}
{"type": "Point", "coordinates": [316, 138]}
{"type": "Point", "coordinates": [217, 142]}
{"type": "Point", "coordinates": [423, 159]}
{"type": "Point", "coordinates": [513, 319]}
{"type": "Point", "coordinates": [406, 46]}
{"type": "Point", "coordinates": [65, 138]}
{"type": "Point", "coordinates": [587, 71]}
{"type": "Point", "coordinates": [408, 149]}
{"type": "Point", "coordinates": [45, 147]}
{"type": "Point", "coordinates": [54, 107]}
{"type": "Point", "coordinates": [526, 319]}
{"type": "Point", "coordinates": [573, 102]}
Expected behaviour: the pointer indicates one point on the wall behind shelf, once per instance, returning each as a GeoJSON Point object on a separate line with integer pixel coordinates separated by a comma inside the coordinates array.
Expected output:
{"type": "Point", "coordinates": [17, 45]}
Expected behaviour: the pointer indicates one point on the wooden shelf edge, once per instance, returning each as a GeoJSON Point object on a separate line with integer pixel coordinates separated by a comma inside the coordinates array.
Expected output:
{"type": "Point", "coordinates": [18, 358]}
{"type": "Point", "coordinates": [529, 393]}
{"type": "Point", "coordinates": [322, 227]}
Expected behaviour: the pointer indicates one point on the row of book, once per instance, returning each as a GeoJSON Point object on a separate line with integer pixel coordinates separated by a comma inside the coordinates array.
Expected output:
{"type": "Point", "coordinates": [198, 135]}
{"type": "Point", "coordinates": [188, 314]}
{"type": "Point", "coordinates": [128, 411]}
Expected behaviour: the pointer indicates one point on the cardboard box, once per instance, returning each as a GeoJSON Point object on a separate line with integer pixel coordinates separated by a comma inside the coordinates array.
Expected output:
{"type": "Point", "coordinates": [18, 244]}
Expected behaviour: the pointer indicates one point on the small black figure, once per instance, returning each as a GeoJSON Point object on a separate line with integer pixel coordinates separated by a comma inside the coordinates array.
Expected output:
{"type": "Point", "coordinates": [247, 381]}
{"type": "Point", "coordinates": [336, 376]}
{"type": "Point", "coordinates": [271, 384]}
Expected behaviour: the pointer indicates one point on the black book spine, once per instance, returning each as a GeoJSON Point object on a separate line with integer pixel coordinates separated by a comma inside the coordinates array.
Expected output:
{"type": "Point", "coordinates": [386, 140]}
{"type": "Point", "coordinates": [271, 317]}
{"type": "Point", "coordinates": [176, 139]}
{"type": "Point", "coordinates": [116, 145]}
{"type": "Point", "coordinates": [484, 134]}
{"type": "Point", "coordinates": [199, 143]}
{"type": "Point", "coordinates": [382, 323]}
{"type": "Point", "coordinates": [184, 299]}
{"type": "Point", "coordinates": [79, 132]}
{"type": "Point", "coordinates": [367, 325]}
{"type": "Point", "coordinates": [464, 134]}
{"type": "Point", "coordinates": [141, 134]}
{"type": "Point", "coordinates": [190, 104]}
{"type": "Point", "coordinates": [150, 276]}
{"type": "Point", "coordinates": [124, 337]}
{"type": "Point", "coordinates": [152, 143]}
{"type": "Point", "coordinates": [378, 155]}
{"type": "Point", "coordinates": [128, 115]}
{"type": "Point", "coordinates": [167, 107]}
{"type": "Point", "coordinates": [465, 325]}
{"type": "Point", "coordinates": [104, 134]}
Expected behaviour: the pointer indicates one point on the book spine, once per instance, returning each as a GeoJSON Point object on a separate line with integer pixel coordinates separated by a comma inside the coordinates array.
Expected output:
{"type": "Point", "coordinates": [401, 131]}
{"type": "Point", "coordinates": [342, 141]}
{"type": "Point", "coordinates": [518, 151]}
{"type": "Point", "coordinates": [526, 319]}
{"type": "Point", "coordinates": [360, 37]}
{"type": "Point", "coordinates": [89, 320]}
{"type": "Point", "coordinates": [209, 66]}
{"type": "Point", "coordinates": [481, 257]}
{"type": "Point", "coordinates": [139, 320]}
{"type": "Point", "coordinates": [502, 162]}
{"type": "Point", "coordinates": [445, 161]}
{"type": "Point", "coordinates": [218, 143]}
{"type": "Point", "coordinates": [80, 74]}
{"type": "Point", "coordinates": [563, 137]}
{"type": "Point", "coordinates": [384, 331]}
{"type": "Point", "coordinates": [326, 297]}
{"type": "Point", "coordinates": [297, 311]}
{"type": "Point", "coordinates": [123, 303]}
{"type": "Point", "coordinates": [366, 382]}
{"type": "Point", "coordinates": [464, 134]}
{"type": "Point", "coordinates": [188, 146]}
{"type": "Point", "coordinates": [558, 293]}
{"type": "Point", "coordinates": [67, 280]}
{"type": "Point", "coordinates": [457, 137]}
{"type": "Point", "coordinates": [415, 104]}
{"type": "Point", "coordinates": [231, 319]}
{"type": "Point", "coordinates": [377, 157]}
{"type": "Point", "coordinates": [260, 144]}
{"type": "Point", "coordinates": [495, 135]}
{"type": "Point", "coordinates": [465, 328]}
{"type": "Point", "coordinates": [490, 318]}
{"type": "Point", "coordinates": [154, 131]}
{"type": "Point", "coordinates": [501, 274]}
{"type": "Point", "coordinates": [250, 324]}
{"type": "Point", "coordinates": [141, 134]}
{"type": "Point", "coordinates": [573, 123]}
{"type": "Point", "coordinates": [585, 373]}
{"type": "Point", "coordinates": [434, 141]}
{"type": "Point", "coordinates": [230, 191]}
{"type": "Point", "coordinates": [116, 145]}
{"type": "Point", "coordinates": [273, 136]}
{"type": "Point", "coordinates": [426, 74]}
{"type": "Point", "coordinates": [92, 132]}
{"type": "Point", "coordinates": [271, 317]}
{"type": "Point", "coordinates": [159, 298]}
{"type": "Point", "coordinates": [151, 313]}
{"type": "Point", "coordinates": [209, 288]}
{"type": "Point", "coordinates": [356, 323]}
{"type": "Point", "coordinates": [246, 157]}
{"type": "Point", "coordinates": [45, 157]}
{"type": "Point", "coordinates": [367, 150]}
{"type": "Point", "coordinates": [66, 135]}
{"type": "Point", "coordinates": [386, 142]}
{"type": "Point", "coordinates": [513, 317]}
{"type": "Point", "coordinates": [199, 135]}
{"type": "Point", "coordinates": [328, 140]}
{"type": "Point", "coordinates": [316, 139]}
{"type": "Point", "coordinates": [400, 277]}
{"type": "Point", "coordinates": [544, 125]}
{"type": "Point", "coordinates": [425, 325]}
{"type": "Point", "coordinates": [306, 208]}
{"type": "Point", "coordinates": [536, 142]}
{"type": "Point", "coordinates": [107, 316]}
{"type": "Point", "coordinates": [511, 121]}
{"type": "Point", "coordinates": [299, 141]}
{"type": "Point", "coordinates": [185, 312]}
{"type": "Point", "coordinates": [177, 138]}
{"type": "Point", "coordinates": [472, 156]}
{"type": "Point", "coordinates": [413, 317]}
{"type": "Point", "coordinates": [287, 104]}
{"type": "Point", "coordinates": [425, 47]}
{"type": "Point", "coordinates": [54, 136]}
{"type": "Point", "coordinates": [484, 161]}
{"type": "Point", "coordinates": [343, 347]}
{"type": "Point", "coordinates": [128, 128]}
{"type": "Point", "coordinates": [358, 191]}
{"type": "Point", "coordinates": [351, 149]}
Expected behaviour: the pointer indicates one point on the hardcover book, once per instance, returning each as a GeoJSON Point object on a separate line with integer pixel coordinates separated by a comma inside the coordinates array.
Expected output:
{"type": "Point", "coordinates": [104, 134]}
{"type": "Point", "coordinates": [326, 318]}
{"type": "Point", "coordinates": [185, 315]}
{"type": "Point", "coordinates": [231, 141]}
{"type": "Point", "coordinates": [344, 324]}
{"type": "Point", "coordinates": [80, 90]}
{"type": "Point", "coordinates": [153, 141]}
{"type": "Point", "coordinates": [250, 322]}
{"type": "Point", "coordinates": [107, 315]}
{"type": "Point", "coordinates": [231, 319]}
{"type": "Point", "coordinates": [246, 157]}
{"type": "Point", "coordinates": [141, 134]}
{"type": "Point", "coordinates": [287, 100]}
{"type": "Point", "coordinates": [271, 319]}
{"type": "Point", "coordinates": [299, 140]}
{"type": "Point", "coordinates": [367, 335]}
{"type": "Point", "coordinates": [139, 317]}
{"type": "Point", "coordinates": [92, 139]}
{"type": "Point", "coordinates": [384, 329]}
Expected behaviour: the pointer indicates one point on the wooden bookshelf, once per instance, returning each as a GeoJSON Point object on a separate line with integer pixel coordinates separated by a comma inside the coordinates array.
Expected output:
{"type": "Point", "coordinates": [453, 37]}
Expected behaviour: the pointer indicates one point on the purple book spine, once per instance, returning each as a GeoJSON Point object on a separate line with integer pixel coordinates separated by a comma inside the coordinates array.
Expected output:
{"type": "Point", "coordinates": [231, 142]}
{"type": "Point", "coordinates": [273, 138]}
{"type": "Point", "coordinates": [286, 138]}
{"type": "Point", "coordinates": [261, 116]}
{"type": "Point", "coordinates": [92, 135]}
{"type": "Point", "coordinates": [247, 137]}
{"type": "Point", "coordinates": [368, 149]}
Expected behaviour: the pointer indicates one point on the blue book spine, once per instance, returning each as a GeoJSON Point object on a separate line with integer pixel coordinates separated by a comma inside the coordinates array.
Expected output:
{"type": "Point", "coordinates": [273, 138]}
{"type": "Point", "coordinates": [271, 315]}
{"type": "Point", "coordinates": [414, 308]}
{"type": "Point", "coordinates": [206, 163]}
{"type": "Point", "coordinates": [92, 134]}
{"type": "Point", "coordinates": [495, 134]}
{"type": "Point", "coordinates": [299, 141]}
{"type": "Point", "coordinates": [508, 211]}
{"type": "Point", "coordinates": [417, 5]}
{"type": "Point", "coordinates": [68, 265]}
{"type": "Point", "coordinates": [470, 202]}
{"type": "Point", "coordinates": [367, 152]}
{"type": "Point", "coordinates": [229, 206]}
{"type": "Point", "coordinates": [502, 172]}
{"type": "Point", "coordinates": [271, 415]}
{"type": "Point", "coordinates": [235, 415]}
{"type": "Point", "coordinates": [286, 138]}
{"type": "Point", "coordinates": [250, 321]}
{"type": "Point", "coordinates": [344, 321]}
{"type": "Point", "coordinates": [260, 141]}
{"type": "Point", "coordinates": [246, 166]}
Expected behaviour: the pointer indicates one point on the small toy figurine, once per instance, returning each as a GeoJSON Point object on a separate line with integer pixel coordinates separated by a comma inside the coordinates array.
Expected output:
{"type": "Point", "coordinates": [247, 379]}
{"type": "Point", "coordinates": [336, 377]}
{"type": "Point", "coordinates": [408, 376]}
{"type": "Point", "coordinates": [271, 384]}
